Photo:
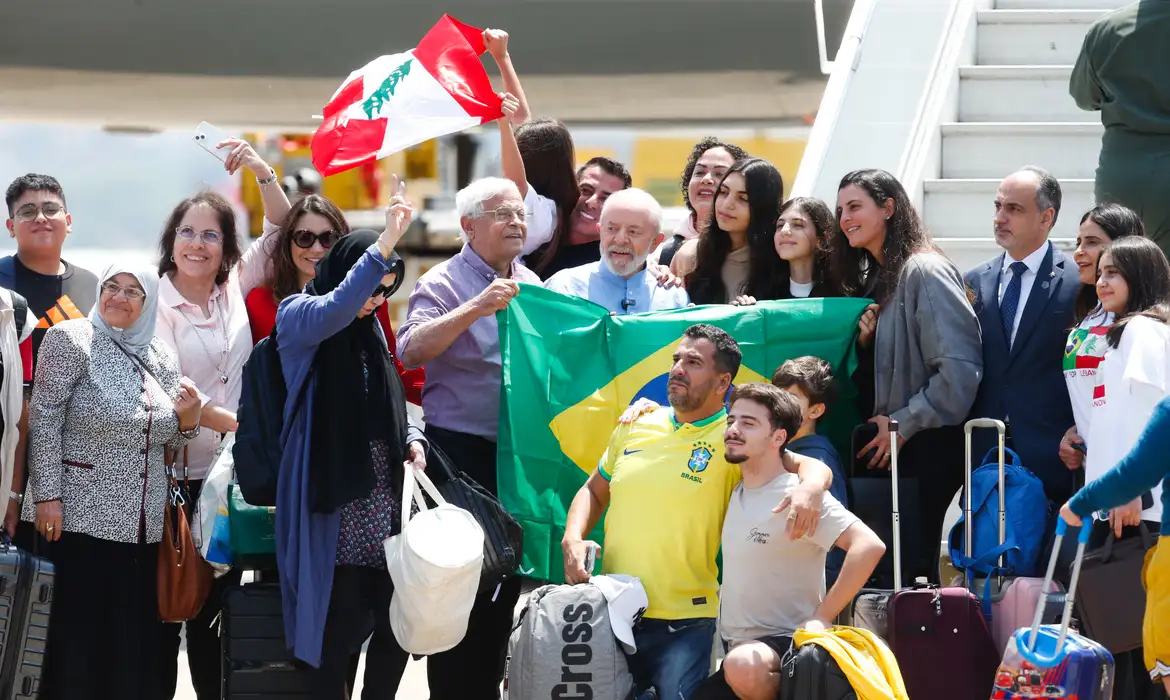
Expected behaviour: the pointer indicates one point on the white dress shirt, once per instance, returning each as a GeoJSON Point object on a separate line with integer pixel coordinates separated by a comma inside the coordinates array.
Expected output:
{"type": "Point", "coordinates": [1033, 261]}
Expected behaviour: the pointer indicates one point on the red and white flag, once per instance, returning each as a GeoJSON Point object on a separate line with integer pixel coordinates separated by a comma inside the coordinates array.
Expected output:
{"type": "Point", "coordinates": [394, 102]}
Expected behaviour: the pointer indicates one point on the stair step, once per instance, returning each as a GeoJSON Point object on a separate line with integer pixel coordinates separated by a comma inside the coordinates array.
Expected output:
{"type": "Point", "coordinates": [965, 208]}
{"type": "Point", "coordinates": [1018, 94]}
{"type": "Point", "coordinates": [1032, 37]}
{"type": "Point", "coordinates": [993, 149]}
{"type": "Point", "coordinates": [1060, 4]}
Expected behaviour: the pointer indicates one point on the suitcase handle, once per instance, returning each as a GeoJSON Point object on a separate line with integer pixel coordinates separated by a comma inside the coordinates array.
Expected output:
{"type": "Point", "coordinates": [897, 516]}
{"type": "Point", "coordinates": [1025, 637]}
{"type": "Point", "coordinates": [968, 527]}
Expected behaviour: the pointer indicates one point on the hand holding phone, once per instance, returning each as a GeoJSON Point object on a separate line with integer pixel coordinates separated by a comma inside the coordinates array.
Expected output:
{"type": "Point", "coordinates": [591, 550]}
{"type": "Point", "coordinates": [208, 138]}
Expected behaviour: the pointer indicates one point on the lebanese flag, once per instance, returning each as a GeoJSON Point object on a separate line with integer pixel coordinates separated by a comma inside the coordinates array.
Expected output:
{"type": "Point", "coordinates": [394, 102]}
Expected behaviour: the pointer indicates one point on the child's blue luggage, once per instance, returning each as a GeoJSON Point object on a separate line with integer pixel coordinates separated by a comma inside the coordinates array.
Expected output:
{"type": "Point", "coordinates": [1050, 661]}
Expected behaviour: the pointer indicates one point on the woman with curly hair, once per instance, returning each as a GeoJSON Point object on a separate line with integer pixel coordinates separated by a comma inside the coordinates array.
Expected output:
{"type": "Point", "coordinates": [736, 259]}
{"type": "Point", "coordinates": [706, 166]}
{"type": "Point", "coordinates": [922, 362]}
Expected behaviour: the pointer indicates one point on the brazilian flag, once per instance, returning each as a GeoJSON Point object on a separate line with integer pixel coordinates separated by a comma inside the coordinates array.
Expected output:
{"type": "Point", "coordinates": [570, 368]}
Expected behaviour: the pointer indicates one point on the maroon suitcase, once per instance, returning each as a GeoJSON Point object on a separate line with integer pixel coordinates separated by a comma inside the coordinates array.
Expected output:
{"type": "Point", "coordinates": [939, 636]}
{"type": "Point", "coordinates": [942, 642]}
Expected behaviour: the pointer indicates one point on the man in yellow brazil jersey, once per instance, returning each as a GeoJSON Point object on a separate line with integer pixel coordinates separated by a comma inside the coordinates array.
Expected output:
{"type": "Point", "coordinates": [667, 484]}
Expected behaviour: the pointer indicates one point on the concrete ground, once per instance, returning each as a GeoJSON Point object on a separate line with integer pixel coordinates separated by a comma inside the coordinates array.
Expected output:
{"type": "Point", "coordinates": [414, 681]}
{"type": "Point", "coordinates": [413, 686]}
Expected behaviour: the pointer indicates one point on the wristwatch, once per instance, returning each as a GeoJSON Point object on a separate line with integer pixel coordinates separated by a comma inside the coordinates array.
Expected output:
{"type": "Point", "coordinates": [268, 180]}
{"type": "Point", "coordinates": [18, 497]}
{"type": "Point", "coordinates": [189, 434]}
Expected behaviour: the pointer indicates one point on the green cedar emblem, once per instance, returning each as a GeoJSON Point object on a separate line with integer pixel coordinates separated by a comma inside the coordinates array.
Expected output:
{"type": "Point", "coordinates": [385, 91]}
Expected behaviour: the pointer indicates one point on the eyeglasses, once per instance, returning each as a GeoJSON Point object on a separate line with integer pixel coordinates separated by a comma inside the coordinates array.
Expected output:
{"type": "Point", "coordinates": [504, 215]}
{"type": "Point", "coordinates": [112, 290]}
{"type": "Point", "coordinates": [306, 239]}
{"type": "Point", "coordinates": [382, 290]}
{"type": "Point", "coordinates": [209, 237]}
{"type": "Point", "coordinates": [30, 211]}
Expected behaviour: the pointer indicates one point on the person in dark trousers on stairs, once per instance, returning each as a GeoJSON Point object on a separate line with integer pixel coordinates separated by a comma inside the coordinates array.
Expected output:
{"type": "Point", "coordinates": [1025, 300]}
{"type": "Point", "coordinates": [1121, 73]}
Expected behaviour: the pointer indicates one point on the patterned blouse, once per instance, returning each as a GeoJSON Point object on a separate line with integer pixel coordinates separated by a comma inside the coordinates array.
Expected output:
{"type": "Point", "coordinates": [97, 428]}
{"type": "Point", "coordinates": [367, 522]}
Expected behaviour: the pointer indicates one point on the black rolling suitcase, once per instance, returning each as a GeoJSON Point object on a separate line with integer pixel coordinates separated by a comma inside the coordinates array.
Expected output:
{"type": "Point", "coordinates": [256, 663]}
{"type": "Point", "coordinates": [26, 598]}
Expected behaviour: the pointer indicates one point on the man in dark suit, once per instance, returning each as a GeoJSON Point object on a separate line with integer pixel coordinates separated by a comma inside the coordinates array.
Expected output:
{"type": "Point", "coordinates": [1024, 300]}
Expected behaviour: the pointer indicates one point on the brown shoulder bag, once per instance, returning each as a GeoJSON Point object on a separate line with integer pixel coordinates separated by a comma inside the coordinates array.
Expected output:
{"type": "Point", "coordinates": [184, 578]}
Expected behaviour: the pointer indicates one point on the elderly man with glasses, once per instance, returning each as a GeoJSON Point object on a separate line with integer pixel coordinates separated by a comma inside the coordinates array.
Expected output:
{"type": "Point", "coordinates": [451, 329]}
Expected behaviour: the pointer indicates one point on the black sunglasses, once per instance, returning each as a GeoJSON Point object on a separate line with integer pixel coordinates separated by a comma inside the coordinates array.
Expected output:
{"type": "Point", "coordinates": [306, 239]}
{"type": "Point", "coordinates": [383, 290]}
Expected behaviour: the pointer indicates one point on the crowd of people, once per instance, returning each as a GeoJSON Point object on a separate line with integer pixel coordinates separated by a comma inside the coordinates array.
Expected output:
{"type": "Point", "coordinates": [123, 367]}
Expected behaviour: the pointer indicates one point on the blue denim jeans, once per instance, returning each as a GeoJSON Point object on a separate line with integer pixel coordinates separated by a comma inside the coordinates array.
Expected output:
{"type": "Point", "coordinates": [673, 657]}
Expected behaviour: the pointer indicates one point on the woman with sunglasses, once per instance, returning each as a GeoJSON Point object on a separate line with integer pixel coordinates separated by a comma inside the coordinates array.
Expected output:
{"type": "Point", "coordinates": [203, 277]}
{"type": "Point", "coordinates": [309, 230]}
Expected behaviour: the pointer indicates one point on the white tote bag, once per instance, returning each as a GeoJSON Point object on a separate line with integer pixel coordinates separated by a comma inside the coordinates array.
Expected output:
{"type": "Point", "coordinates": [435, 562]}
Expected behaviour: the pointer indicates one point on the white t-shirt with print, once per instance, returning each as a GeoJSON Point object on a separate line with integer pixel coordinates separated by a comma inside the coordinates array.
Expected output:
{"type": "Point", "coordinates": [772, 585]}
{"type": "Point", "coordinates": [1082, 355]}
{"type": "Point", "coordinates": [1132, 379]}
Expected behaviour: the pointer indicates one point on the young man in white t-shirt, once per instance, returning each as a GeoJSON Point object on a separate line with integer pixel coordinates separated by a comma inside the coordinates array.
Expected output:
{"type": "Point", "coordinates": [772, 584]}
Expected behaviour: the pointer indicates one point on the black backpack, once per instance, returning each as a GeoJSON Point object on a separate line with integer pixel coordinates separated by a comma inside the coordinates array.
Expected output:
{"type": "Point", "coordinates": [260, 416]}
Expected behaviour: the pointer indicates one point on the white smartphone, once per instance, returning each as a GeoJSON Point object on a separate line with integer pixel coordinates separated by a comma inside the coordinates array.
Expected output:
{"type": "Point", "coordinates": [207, 137]}
{"type": "Point", "coordinates": [591, 552]}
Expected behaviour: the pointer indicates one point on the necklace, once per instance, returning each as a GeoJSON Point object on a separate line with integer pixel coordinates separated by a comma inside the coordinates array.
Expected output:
{"type": "Point", "coordinates": [223, 355]}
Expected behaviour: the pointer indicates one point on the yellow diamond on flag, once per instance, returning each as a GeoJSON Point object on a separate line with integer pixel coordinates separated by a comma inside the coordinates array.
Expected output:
{"type": "Point", "coordinates": [583, 429]}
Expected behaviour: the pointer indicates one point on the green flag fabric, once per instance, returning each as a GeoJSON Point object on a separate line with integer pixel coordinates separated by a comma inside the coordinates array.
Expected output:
{"type": "Point", "coordinates": [570, 369]}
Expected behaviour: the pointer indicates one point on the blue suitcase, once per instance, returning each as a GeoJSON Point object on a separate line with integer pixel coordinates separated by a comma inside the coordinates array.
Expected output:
{"type": "Point", "coordinates": [1050, 661]}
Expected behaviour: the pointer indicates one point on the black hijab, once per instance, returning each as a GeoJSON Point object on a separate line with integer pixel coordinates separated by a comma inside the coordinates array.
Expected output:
{"type": "Point", "coordinates": [356, 402]}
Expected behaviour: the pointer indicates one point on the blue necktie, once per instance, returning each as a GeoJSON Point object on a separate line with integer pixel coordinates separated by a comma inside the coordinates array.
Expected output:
{"type": "Point", "coordinates": [1011, 300]}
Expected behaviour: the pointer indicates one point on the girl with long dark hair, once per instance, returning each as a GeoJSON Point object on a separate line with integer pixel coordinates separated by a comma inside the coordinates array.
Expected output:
{"type": "Point", "coordinates": [1086, 345]}
{"type": "Point", "coordinates": [736, 256]}
{"type": "Point", "coordinates": [921, 343]}
{"type": "Point", "coordinates": [802, 244]}
{"type": "Point", "coordinates": [1133, 284]}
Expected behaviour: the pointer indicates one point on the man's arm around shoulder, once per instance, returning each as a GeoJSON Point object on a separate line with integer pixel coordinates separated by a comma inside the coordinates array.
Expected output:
{"type": "Point", "coordinates": [807, 499]}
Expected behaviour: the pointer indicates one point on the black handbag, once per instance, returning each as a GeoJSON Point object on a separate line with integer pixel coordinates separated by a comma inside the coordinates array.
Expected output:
{"type": "Point", "coordinates": [811, 673]}
{"type": "Point", "coordinates": [1110, 598]}
{"type": "Point", "coordinates": [503, 538]}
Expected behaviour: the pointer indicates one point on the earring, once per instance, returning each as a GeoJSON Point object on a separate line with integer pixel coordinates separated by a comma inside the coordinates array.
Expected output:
{"type": "Point", "coordinates": [172, 258]}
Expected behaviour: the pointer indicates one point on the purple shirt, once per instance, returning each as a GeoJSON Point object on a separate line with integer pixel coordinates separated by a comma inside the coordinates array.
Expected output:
{"type": "Point", "coordinates": [462, 389]}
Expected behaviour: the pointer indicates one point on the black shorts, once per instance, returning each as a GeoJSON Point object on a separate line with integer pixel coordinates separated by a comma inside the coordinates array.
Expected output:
{"type": "Point", "coordinates": [716, 688]}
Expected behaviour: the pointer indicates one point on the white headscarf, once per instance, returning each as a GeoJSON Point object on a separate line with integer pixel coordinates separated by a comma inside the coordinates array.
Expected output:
{"type": "Point", "coordinates": [135, 339]}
